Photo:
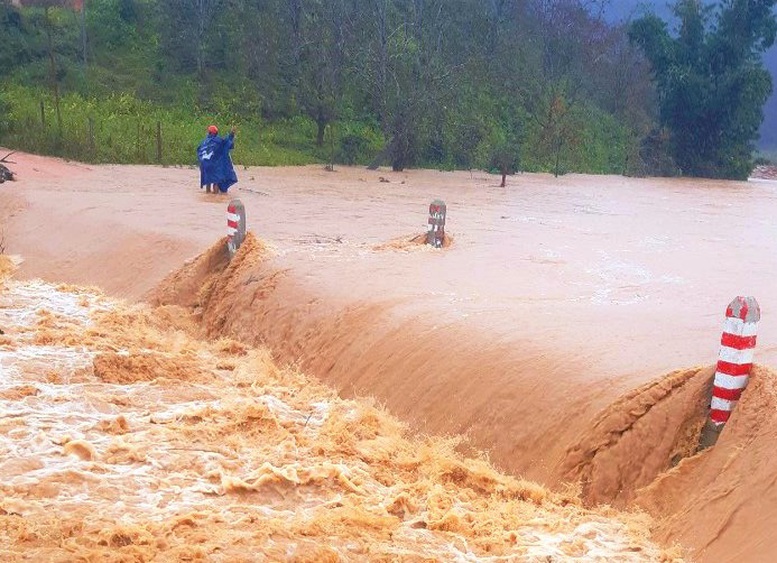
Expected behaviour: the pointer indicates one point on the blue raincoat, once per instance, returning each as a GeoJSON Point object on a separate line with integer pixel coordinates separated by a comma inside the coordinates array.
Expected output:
{"type": "Point", "coordinates": [215, 161]}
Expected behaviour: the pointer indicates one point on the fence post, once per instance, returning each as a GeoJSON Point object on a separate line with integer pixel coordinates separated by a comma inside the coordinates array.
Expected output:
{"type": "Point", "coordinates": [435, 235]}
{"type": "Point", "coordinates": [92, 148]}
{"type": "Point", "coordinates": [159, 142]}
{"type": "Point", "coordinates": [42, 114]}
{"type": "Point", "coordinates": [137, 146]}
{"type": "Point", "coordinates": [734, 362]}
{"type": "Point", "coordinates": [236, 225]}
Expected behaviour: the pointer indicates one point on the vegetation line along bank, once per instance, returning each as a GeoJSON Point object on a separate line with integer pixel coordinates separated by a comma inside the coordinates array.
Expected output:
{"type": "Point", "coordinates": [507, 85]}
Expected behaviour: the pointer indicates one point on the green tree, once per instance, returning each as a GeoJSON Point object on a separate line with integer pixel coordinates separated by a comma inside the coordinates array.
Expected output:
{"type": "Point", "coordinates": [19, 41]}
{"type": "Point", "coordinates": [323, 32]}
{"type": "Point", "coordinates": [711, 83]}
{"type": "Point", "coordinates": [503, 155]}
{"type": "Point", "coordinates": [443, 83]}
{"type": "Point", "coordinates": [403, 69]}
{"type": "Point", "coordinates": [188, 33]}
{"type": "Point", "coordinates": [51, 24]}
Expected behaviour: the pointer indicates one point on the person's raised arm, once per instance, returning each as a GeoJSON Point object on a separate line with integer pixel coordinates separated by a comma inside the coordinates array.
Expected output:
{"type": "Point", "coordinates": [231, 139]}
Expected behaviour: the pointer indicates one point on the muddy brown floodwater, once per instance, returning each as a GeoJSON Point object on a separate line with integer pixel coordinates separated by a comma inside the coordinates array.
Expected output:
{"type": "Point", "coordinates": [567, 330]}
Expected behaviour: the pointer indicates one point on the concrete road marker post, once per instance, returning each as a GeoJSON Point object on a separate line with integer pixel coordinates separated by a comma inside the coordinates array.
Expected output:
{"type": "Point", "coordinates": [236, 225]}
{"type": "Point", "coordinates": [735, 360]}
{"type": "Point", "coordinates": [435, 234]}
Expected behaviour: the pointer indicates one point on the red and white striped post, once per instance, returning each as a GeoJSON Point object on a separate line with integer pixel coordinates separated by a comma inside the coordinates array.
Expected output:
{"type": "Point", "coordinates": [236, 225]}
{"type": "Point", "coordinates": [734, 362]}
{"type": "Point", "coordinates": [435, 235]}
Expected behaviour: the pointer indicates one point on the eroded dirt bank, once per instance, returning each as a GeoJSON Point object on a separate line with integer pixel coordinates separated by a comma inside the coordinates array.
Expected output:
{"type": "Point", "coordinates": [642, 451]}
{"type": "Point", "coordinates": [724, 502]}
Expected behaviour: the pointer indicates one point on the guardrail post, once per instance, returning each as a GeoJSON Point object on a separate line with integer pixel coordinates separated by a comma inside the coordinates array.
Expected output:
{"type": "Point", "coordinates": [236, 225]}
{"type": "Point", "coordinates": [435, 235]}
{"type": "Point", "coordinates": [737, 346]}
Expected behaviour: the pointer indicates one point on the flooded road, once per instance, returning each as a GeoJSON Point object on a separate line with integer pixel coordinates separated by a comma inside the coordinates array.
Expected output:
{"type": "Point", "coordinates": [557, 296]}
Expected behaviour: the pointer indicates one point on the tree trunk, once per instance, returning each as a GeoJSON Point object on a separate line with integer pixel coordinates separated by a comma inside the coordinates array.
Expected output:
{"type": "Point", "coordinates": [504, 180]}
{"type": "Point", "coordinates": [398, 152]}
{"type": "Point", "coordinates": [53, 71]}
{"type": "Point", "coordinates": [381, 22]}
{"type": "Point", "coordinates": [83, 33]}
{"type": "Point", "coordinates": [321, 123]}
{"type": "Point", "coordinates": [558, 158]}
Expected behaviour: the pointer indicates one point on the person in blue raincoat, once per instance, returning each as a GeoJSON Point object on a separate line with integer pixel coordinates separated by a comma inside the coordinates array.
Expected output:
{"type": "Point", "coordinates": [216, 168]}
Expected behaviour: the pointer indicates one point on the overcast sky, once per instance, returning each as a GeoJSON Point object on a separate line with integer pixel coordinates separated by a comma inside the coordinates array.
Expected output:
{"type": "Point", "coordinates": [618, 10]}
{"type": "Point", "coordinates": [624, 9]}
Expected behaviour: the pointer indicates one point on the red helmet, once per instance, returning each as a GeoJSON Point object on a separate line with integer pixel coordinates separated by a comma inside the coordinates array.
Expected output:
{"type": "Point", "coordinates": [212, 129]}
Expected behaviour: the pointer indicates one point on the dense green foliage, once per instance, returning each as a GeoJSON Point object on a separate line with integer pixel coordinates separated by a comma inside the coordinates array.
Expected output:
{"type": "Point", "coordinates": [711, 83]}
{"type": "Point", "coordinates": [121, 128]}
{"type": "Point", "coordinates": [540, 85]}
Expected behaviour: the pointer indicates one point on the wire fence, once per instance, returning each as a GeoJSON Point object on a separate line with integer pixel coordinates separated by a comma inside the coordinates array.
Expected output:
{"type": "Point", "coordinates": [115, 138]}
